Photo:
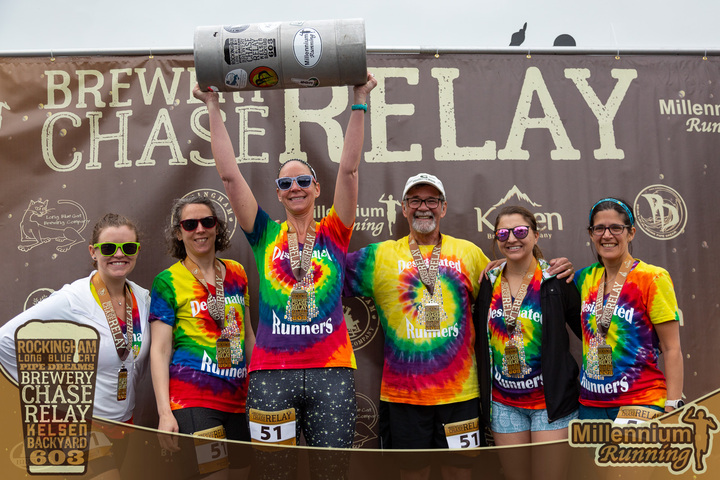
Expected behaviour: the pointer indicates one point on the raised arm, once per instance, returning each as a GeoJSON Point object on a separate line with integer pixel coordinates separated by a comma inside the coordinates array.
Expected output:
{"type": "Point", "coordinates": [346, 185]}
{"type": "Point", "coordinates": [237, 189]}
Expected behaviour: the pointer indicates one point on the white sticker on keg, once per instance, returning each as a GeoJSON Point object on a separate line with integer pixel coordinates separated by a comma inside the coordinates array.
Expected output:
{"type": "Point", "coordinates": [307, 47]}
{"type": "Point", "coordinates": [236, 28]}
{"type": "Point", "coordinates": [236, 78]}
{"type": "Point", "coordinates": [268, 27]}
{"type": "Point", "coordinates": [309, 82]}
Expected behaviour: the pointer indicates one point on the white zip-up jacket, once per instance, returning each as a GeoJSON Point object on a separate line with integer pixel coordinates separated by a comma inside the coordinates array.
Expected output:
{"type": "Point", "coordinates": [75, 302]}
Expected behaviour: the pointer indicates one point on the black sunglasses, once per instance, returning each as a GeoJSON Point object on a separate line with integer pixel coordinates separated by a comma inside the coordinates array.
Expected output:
{"type": "Point", "coordinates": [303, 181]}
{"type": "Point", "coordinates": [520, 232]}
{"type": "Point", "coordinates": [191, 224]}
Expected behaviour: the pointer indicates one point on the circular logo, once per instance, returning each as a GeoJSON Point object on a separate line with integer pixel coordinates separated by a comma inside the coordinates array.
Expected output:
{"type": "Point", "coordinates": [361, 319]}
{"type": "Point", "coordinates": [660, 212]}
{"type": "Point", "coordinates": [263, 77]}
{"type": "Point", "coordinates": [367, 419]}
{"type": "Point", "coordinates": [307, 47]}
{"type": "Point", "coordinates": [36, 297]}
{"type": "Point", "coordinates": [17, 456]}
{"type": "Point", "coordinates": [222, 207]}
{"type": "Point", "coordinates": [236, 28]}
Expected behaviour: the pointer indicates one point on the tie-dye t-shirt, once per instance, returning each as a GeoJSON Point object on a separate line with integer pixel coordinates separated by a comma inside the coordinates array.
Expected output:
{"type": "Point", "coordinates": [137, 325]}
{"type": "Point", "coordinates": [646, 298]}
{"type": "Point", "coordinates": [324, 341]}
{"type": "Point", "coordinates": [526, 389]}
{"type": "Point", "coordinates": [421, 367]}
{"type": "Point", "coordinates": [179, 300]}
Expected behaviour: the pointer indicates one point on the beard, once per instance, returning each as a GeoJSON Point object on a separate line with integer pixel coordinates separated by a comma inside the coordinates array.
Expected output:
{"type": "Point", "coordinates": [424, 225]}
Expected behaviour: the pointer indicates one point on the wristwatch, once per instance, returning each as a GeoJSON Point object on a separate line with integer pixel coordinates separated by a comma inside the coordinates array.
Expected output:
{"type": "Point", "coordinates": [674, 403]}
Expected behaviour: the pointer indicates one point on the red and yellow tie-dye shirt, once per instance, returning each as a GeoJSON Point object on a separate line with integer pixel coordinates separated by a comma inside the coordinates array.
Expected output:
{"type": "Point", "coordinates": [422, 367]}
{"type": "Point", "coordinates": [647, 298]}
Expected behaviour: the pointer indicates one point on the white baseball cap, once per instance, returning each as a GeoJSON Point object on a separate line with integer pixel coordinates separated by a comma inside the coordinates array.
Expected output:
{"type": "Point", "coordinates": [424, 179]}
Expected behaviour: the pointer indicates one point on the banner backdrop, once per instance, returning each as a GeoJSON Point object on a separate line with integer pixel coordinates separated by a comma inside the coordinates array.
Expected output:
{"type": "Point", "coordinates": [83, 136]}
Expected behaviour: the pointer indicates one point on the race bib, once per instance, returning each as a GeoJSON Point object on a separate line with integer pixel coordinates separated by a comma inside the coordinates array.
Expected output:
{"type": "Point", "coordinates": [465, 434]}
{"type": "Point", "coordinates": [276, 428]}
{"type": "Point", "coordinates": [211, 454]}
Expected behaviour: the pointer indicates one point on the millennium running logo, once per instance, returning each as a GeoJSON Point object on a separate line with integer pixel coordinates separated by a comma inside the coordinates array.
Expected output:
{"type": "Point", "coordinates": [660, 212]}
{"type": "Point", "coordinates": [678, 447]}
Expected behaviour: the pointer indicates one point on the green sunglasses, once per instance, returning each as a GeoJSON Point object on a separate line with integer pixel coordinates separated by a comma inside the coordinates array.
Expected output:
{"type": "Point", "coordinates": [108, 249]}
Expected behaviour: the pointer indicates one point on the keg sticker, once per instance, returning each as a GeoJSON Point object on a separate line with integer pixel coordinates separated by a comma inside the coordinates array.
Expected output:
{"type": "Point", "coordinates": [237, 28]}
{"type": "Point", "coordinates": [236, 78]}
{"type": "Point", "coordinates": [268, 27]}
{"type": "Point", "coordinates": [307, 47]}
{"type": "Point", "coordinates": [263, 77]}
{"type": "Point", "coordinates": [246, 50]}
{"type": "Point", "coordinates": [306, 82]}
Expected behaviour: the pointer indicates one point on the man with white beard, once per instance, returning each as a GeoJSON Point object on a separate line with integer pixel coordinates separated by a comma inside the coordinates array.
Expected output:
{"type": "Point", "coordinates": [424, 286]}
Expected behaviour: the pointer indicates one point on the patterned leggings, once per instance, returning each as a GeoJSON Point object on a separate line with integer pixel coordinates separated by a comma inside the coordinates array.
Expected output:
{"type": "Point", "coordinates": [323, 399]}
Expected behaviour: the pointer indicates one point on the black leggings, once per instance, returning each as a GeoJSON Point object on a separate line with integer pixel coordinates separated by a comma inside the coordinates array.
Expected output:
{"type": "Point", "coordinates": [323, 399]}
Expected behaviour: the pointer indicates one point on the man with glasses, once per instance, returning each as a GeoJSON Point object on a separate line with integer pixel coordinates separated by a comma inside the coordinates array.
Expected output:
{"type": "Point", "coordinates": [424, 286]}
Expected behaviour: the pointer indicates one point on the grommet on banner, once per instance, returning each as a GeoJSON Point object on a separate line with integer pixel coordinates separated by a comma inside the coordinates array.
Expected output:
{"type": "Point", "coordinates": [705, 56]}
{"type": "Point", "coordinates": [437, 53]}
{"type": "Point", "coordinates": [528, 55]}
{"type": "Point", "coordinates": [617, 56]}
{"type": "Point", "coordinates": [52, 57]}
{"type": "Point", "coordinates": [151, 54]}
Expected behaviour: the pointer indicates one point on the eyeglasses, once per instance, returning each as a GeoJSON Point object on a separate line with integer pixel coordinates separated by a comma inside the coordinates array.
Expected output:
{"type": "Point", "coordinates": [430, 202]}
{"type": "Point", "coordinates": [303, 181]}
{"type": "Point", "coordinates": [108, 249]}
{"type": "Point", "coordinates": [191, 224]}
{"type": "Point", "coordinates": [615, 229]}
{"type": "Point", "coordinates": [520, 232]}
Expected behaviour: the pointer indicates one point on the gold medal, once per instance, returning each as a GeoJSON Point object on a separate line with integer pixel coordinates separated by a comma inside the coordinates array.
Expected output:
{"type": "Point", "coordinates": [298, 305]}
{"type": "Point", "coordinates": [512, 360]}
{"type": "Point", "coordinates": [432, 316]}
{"type": "Point", "coordinates": [223, 353]}
{"type": "Point", "coordinates": [605, 366]}
{"type": "Point", "coordinates": [122, 384]}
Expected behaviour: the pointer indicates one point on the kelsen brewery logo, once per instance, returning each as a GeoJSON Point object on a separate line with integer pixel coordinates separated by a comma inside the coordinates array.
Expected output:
{"type": "Point", "coordinates": [222, 206]}
{"type": "Point", "coordinates": [651, 444]}
{"type": "Point", "coordinates": [547, 221]}
{"type": "Point", "coordinates": [660, 212]}
{"type": "Point", "coordinates": [361, 319]}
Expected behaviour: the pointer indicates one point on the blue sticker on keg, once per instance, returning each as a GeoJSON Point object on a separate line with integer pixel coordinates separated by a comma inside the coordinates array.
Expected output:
{"type": "Point", "coordinates": [307, 47]}
{"type": "Point", "coordinates": [236, 28]}
{"type": "Point", "coordinates": [236, 78]}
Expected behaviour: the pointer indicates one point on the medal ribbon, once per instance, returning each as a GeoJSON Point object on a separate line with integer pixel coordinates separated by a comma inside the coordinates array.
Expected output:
{"type": "Point", "coordinates": [122, 345]}
{"type": "Point", "coordinates": [216, 303]}
{"type": "Point", "coordinates": [603, 316]}
{"type": "Point", "coordinates": [301, 265]}
{"type": "Point", "coordinates": [428, 274]}
{"type": "Point", "coordinates": [511, 309]}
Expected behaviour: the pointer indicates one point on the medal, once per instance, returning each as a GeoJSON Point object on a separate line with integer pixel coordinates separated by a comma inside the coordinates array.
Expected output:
{"type": "Point", "coordinates": [605, 366]}
{"type": "Point", "coordinates": [298, 305]}
{"type": "Point", "coordinates": [298, 310]}
{"type": "Point", "coordinates": [432, 316]}
{"type": "Point", "coordinates": [223, 353]}
{"type": "Point", "coordinates": [122, 383]}
{"type": "Point", "coordinates": [512, 360]}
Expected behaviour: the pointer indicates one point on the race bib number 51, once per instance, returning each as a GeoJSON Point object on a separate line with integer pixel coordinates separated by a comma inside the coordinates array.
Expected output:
{"type": "Point", "coordinates": [464, 434]}
{"type": "Point", "coordinates": [272, 427]}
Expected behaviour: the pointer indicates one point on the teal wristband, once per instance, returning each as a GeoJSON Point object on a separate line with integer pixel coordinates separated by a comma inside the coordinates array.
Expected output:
{"type": "Point", "coordinates": [360, 106]}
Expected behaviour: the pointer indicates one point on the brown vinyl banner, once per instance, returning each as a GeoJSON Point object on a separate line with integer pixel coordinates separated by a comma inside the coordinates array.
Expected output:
{"type": "Point", "coordinates": [83, 136]}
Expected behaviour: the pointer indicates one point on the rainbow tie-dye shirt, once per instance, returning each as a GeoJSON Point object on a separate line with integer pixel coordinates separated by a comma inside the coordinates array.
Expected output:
{"type": "Point", "coordinates": [646, 298]}
{"type": "Point", "coordinates": [180, 301]}
{"type": "Point", "coordinates": [526, 390]}
{"type": "Point", "coordinates": [421, 367]}
{"type": "Point", "coordinates": [324, 341]}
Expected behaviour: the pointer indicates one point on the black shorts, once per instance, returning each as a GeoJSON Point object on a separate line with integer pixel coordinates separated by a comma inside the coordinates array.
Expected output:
{"type": "Point", "coordinates": [423, 426]}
